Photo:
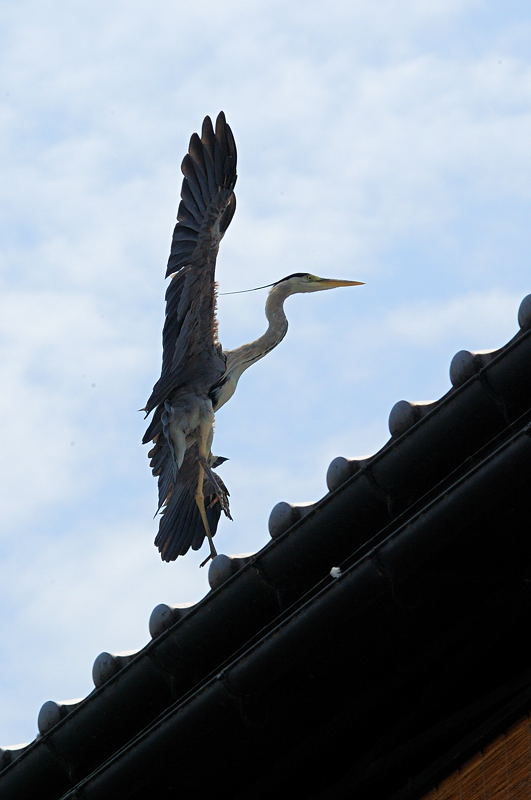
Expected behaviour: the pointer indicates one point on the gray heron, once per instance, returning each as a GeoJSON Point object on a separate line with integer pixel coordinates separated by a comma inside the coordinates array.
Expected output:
{"type": "Point", "coordinates": [198, 376]}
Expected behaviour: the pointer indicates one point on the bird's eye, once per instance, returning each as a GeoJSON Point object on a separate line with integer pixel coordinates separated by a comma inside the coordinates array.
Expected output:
{"type": "Point", "coordinates": [311, 278]}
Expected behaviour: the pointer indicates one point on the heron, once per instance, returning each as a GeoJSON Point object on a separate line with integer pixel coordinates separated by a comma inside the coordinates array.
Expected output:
{"type": "Point", "coordinates": [198, 376]}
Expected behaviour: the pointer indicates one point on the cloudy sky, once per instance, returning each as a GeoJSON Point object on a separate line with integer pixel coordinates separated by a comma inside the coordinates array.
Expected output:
{"type": "Point", "coordinates": [385, 142]}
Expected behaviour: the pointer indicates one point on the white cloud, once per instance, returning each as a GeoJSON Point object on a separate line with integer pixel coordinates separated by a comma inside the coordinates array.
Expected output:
{"type": "Point", "coordinates": [58, 354]}
{"type": "Point", "coordinates": [483, 317]}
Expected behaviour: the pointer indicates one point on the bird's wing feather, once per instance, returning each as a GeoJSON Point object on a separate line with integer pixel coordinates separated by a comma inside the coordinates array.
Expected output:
{"type": "Point", "coordinates": [189, 339]}
{"type": "Point", "coordinates": [181, 527]}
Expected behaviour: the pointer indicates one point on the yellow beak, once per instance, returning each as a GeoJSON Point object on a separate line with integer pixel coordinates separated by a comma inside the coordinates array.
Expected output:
{"type": "Point", "coordinates": [332, 283]}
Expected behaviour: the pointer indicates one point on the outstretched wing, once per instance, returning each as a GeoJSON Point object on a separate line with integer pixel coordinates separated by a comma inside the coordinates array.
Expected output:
{"type": "Point", "coordinates": [191, 354]}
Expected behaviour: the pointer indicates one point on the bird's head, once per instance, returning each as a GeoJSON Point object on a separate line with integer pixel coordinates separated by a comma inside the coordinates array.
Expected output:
{"type": "Point", "coordinates": [306, 282]}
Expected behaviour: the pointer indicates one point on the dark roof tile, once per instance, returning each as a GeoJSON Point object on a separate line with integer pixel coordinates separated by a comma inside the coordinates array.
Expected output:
{"type": "Point", "coordinates": [53, 712]}
{"type": "Point", "coordinates": [524, 313]}
{"type": "Point", "coordinates": [284, 515]}
{"type": "Point", "coordinates": [465, 364]}
{"type": "Point", "coordinates": [222, 567]}
{"type": "Point", "coordinates": [164, 616]}
{"type": "Point", "coordinates": [108, 664]}
{"type": "Point", "coordinates": [341, 469]}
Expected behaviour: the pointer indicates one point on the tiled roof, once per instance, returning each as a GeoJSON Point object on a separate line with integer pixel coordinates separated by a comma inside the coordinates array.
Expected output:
{"type": "Point", "coordinates": [399, 579]}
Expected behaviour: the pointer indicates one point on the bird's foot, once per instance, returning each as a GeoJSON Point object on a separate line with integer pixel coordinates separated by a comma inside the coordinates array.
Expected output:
{"type": "Point", "coordinates": [213, 552]}
{"type": "Point", "coordinates": [222, 494]}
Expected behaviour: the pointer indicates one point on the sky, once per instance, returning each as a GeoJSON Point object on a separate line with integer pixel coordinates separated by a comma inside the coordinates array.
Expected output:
{"type": "Point", "coordinates": [383, 142]}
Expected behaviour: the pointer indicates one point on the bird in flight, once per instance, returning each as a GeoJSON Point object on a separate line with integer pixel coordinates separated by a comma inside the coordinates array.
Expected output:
{"type": "Point", "coordinates": [198, 376]}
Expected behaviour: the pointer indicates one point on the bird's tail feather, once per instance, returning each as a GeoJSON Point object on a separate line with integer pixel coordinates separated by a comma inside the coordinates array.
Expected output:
{"type": "Point", "coordinates": [181, 526]}
{"type": "Point", "coordinates": [155, 426]}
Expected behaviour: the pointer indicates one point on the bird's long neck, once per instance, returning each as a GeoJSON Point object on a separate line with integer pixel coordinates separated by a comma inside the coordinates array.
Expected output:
{"type": "Point", "coordinates": [247, 354]}
{"type": "Point", "coordinates": [239, 359]}
{"type": "Point", "coordinates": [278, 322]}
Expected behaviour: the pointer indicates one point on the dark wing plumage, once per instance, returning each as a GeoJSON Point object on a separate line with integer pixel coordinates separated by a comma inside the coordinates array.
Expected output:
{"type": "Point", "coordinates": [192, 358]}
{"type": "Point", "coordinates": [205, 211]}
{"type": "Point", "coordinates": [181, 527]}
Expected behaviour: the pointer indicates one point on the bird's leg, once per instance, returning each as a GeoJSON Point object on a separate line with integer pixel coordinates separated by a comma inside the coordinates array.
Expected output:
{"type": "Point", "coordinates": [204, 433]}
{"type": "Point", "coordinates": [172, 427]}
{"type": "Point", "coordinates": [219, 486]}
{"type": "Point", "coordinates": [200, 500]}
